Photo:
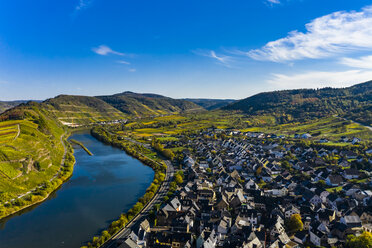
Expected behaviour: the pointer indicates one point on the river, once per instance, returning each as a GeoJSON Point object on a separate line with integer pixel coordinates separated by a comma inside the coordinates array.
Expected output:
{"type": "Point", "coordinates": [102, 186]}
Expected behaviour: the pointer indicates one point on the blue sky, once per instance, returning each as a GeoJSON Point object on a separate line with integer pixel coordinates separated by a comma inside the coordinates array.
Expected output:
{"type": "Point", "coordinates": [208, 48]}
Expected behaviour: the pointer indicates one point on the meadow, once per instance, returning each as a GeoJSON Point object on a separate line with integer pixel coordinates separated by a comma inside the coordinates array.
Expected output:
{"type": "Point", "coordinates": [168, 127]}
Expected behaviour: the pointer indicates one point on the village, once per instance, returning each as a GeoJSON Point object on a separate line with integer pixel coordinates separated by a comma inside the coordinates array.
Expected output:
{"type": "Point", "coordinates": [256, 190]}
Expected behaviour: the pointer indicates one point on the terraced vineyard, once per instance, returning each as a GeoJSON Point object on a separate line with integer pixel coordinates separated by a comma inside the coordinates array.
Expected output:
{"type": "Point", "coordinates": [81, 110]}
{"type": "Point", "coordinates": [9, 131]}
{"type": "Point", "coordinates": [30, 154]}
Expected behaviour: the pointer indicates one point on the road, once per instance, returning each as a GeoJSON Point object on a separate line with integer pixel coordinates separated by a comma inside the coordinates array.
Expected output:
{"type": "Point", "coordinates": [148, 146]}
{"type": "Point", "coordinates": [18, 132]}
{"type": "Point", "coordinates": [115, 240]}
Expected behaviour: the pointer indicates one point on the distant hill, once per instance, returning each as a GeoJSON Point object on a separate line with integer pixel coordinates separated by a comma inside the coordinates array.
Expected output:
{"type": "Point", "coordinates": [71, 110]}
{"type": "Point", "coordinates": [148, 104]}
{"type": "Point", "coordinates": [211, 104]}
{"type": "Point", "coordinates": [5, 105]}
{"type": "Point", "coordinates": [354, 102]}
{"type": "Point", "coordinates": [74, 110]}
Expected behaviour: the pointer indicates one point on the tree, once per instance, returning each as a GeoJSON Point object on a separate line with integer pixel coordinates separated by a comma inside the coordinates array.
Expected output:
{"type": "Point", "coordinates": [295, 223]}
{"type": "Point", "coordinates": [362, 241]}
{"type": "Point", "coordinates": [168, 154]}
{"type": "Point", "coordinates": [178, 178]}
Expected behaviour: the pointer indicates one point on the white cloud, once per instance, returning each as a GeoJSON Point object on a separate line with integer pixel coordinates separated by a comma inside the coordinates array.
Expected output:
{"type": "Point", "coordinates": [221, 59]}
{"type": "Point", "coordinates": [326, 36]}
{"type": "Point", "coordinates": [83, 4]}
{"type": "Point", "coordinates": [273, 1]}
{"type": "Point", "coordinates": [123, 62]}
{"type": "Point", "coordinates": [132, 70]}
{"type": "Point", "coordinates": [105, 50]}
{"type": "Point", "coordinates": [319, 79]}
{"type": "Point", "coordinates": [362, 62]}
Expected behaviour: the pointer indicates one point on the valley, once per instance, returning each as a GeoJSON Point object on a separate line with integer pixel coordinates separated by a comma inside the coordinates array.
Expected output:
{"type": "Point", "coordinates": [37, 142]}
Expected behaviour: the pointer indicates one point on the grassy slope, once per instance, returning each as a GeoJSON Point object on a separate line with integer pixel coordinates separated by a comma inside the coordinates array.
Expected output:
{"type": "Point", "coordinates": [306, 104]}
{"type": "Point", "coordinates": [34, 156]}
{"type": "Point", "coordinates": [148, 104]}
{"type": "Point", "coordinates": [331, 128]}
{"type": "Point", "coordinates": [81, 109]}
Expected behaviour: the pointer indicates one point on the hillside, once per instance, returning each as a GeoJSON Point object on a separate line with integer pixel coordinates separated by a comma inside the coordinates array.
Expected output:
{"type": "Point", "coordinates": [305, 104]}
{"type": "Point", "coordinates": [5, 105]}
{"type": "Point", "coordinates": [31, 152]}
{"type": "Point", "coordinates": [148, 104]}
{"type": "Point", "coordinates": [76, 110]}
{"type": "Point", "coordinates": [210, 104]}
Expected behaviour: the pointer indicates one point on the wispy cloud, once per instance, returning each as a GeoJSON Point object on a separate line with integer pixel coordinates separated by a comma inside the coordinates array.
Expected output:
{"type": "Point", "coordinates": [132, 70]}
{"type": "Point", "coordinates": [327, 36]}
{"type": "Point", "coordinates": [105, 50]}
{"type": "Point", "coordinates": [362, 62]}
{"type": "Point", "coordinates": [220, 59]}
{"type": "Point", "coordinates": [123, 62]}
{"type": "Point", "coordinates": [83, 4]}
{"type": "Point", "coordinates": [319, 79]}
{"type": "Point", "coordinates": [272, 2]}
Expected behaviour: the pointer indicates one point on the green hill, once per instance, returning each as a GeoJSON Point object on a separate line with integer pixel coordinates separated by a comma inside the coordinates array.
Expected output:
{"type": "Point", "coordinates": [5, 105]}
{"type": "Point", "coordinates": [211, 104]}
{"type": "Point", "coordinates": [148, 104]}
{"type": "Point", "coordinates": [76, 110]}
{"type": "Point", "coordinates": [305, 104]}
{"type": "Point", "coordinates": [31, 151]}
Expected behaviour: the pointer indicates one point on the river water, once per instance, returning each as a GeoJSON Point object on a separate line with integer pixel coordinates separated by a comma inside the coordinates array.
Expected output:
{"type": "Point", "coordinates": [102, 186]}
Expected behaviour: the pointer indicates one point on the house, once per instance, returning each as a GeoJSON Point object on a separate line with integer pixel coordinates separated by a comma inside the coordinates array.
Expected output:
{"type": "Point", "coordinates": [351, 174]}
{"type": "Point", "coordinates": [316, 236]}
{"type": "Point", "coordinates": [291, 210]}
{"type": "Point", "coordinates": [292, 244]}
{"type": "Point", "coordinates": [351, 221]}
{"type": "Point", "coordinates": [300, 237]}
{"type": "Point", "coordinates": [128, 243]}
{"type": "Point", "coordinates": [348, 154]}
{"type": "Point", "coordinates": [188, 161]}
{"type": "Point", "coordinates": [344, 164]}
{"type": "Point", "coordinates": [251, 185]}
{"type": "Point", "coordinates": [355, 141]}
{"type": "Point", "coordinates": [306, 136]}
{"type": "Point", "coordinates": [334, 180]}
{"type": "Point", "coordinates": [322, 141]}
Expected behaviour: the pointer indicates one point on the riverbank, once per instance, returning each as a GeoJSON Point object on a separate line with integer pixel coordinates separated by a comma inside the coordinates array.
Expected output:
{"type": "Point", "coordinates": [42, 192]}
{"type": "Point", "coordinates": [101, 188]}
{"type": "Point", "coordinates": [82, 146]}
{"type": "Point", "coordinates": [135, 151]}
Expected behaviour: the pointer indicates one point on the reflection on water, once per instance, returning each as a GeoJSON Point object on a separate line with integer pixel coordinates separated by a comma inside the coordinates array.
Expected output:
{"type": "Point", "coordinates": [102, 187]}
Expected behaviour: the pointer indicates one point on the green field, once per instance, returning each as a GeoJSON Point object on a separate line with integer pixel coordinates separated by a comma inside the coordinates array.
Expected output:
{"type": "Point", "coordinates": [331, 128]}
{"type": "Point", "coordinates": [165, 128]}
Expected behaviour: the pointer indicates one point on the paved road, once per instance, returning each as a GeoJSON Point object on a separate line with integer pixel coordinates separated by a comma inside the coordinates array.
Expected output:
{"type": "Point", "coordinates": [117, 239]}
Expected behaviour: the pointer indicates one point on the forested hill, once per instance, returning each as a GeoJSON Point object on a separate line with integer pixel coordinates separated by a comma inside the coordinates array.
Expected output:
{"type": "Point", "coordinates": [5, 105]}
{"type": "Point", "coordinates": [148, 104]}
{"type": "Point", "coordinates": [354, 102]}
{"type": "Point", "coordinates": [211, 104]}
